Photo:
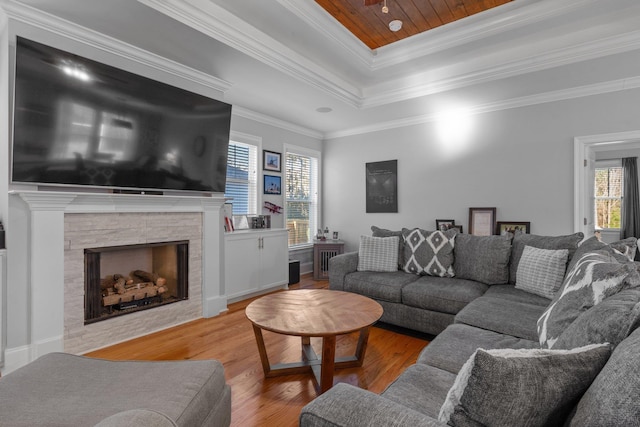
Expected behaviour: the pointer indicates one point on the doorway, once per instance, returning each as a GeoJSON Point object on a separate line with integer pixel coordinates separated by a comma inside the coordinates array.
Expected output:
{"type": "Point", "coordinates": [586, 151]}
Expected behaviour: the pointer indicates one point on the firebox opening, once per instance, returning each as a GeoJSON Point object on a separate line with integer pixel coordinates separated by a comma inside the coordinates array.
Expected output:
{"type": "Point", "coordinates": [125, 279]}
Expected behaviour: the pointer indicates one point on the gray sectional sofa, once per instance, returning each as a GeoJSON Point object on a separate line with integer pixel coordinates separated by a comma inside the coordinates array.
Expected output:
{"type": "Point", "coordinates": [60, 389]}
{"type": "Point", "coordinates": [503, 355]}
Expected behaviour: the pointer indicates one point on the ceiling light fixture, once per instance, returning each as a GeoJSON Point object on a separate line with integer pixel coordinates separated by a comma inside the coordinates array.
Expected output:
{"type": "Point", "coordinates": [385, 9]}
{"type": "Point", "coordinates": [395, 25]}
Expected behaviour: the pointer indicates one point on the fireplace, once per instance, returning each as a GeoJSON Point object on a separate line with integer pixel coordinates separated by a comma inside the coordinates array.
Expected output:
{"type": "Point", "coordinates": [124, 279]}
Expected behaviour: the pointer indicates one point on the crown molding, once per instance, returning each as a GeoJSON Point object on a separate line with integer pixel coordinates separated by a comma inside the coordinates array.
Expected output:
{"type": "Point", "coordinates": [319, 19]}
{"type": "Point", "coordinates": [377, 96]}
{"type": "Point", "coordinates": [216, 22]}
{"type": "Point", "coordinates": [524, 101]}
{"type": "Point", "coordinates": [271, 121]}
{"type": "Point", "coordinates": [34, 17]}
{"type": "Point", "coordinates": [473, 28]}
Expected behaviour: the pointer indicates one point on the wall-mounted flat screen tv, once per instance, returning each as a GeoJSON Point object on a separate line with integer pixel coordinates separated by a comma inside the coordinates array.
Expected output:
{"type": "Point", "coordinates": [79, 122]}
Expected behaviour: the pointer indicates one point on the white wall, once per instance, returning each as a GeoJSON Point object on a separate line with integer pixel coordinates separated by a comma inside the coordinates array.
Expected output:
{"type": "Point", "coordinates": [519, 161]}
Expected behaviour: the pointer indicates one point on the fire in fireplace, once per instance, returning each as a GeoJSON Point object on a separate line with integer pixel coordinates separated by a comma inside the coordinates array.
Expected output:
{"type": "Point", "coordinates": [125, 279]}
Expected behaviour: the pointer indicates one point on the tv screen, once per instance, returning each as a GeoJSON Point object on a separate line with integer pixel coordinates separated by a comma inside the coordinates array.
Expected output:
{"type": "Point", "coordinates": [80, 122]}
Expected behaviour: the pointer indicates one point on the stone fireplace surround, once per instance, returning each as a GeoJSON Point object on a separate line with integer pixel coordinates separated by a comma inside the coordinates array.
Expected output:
{"type": "Point", "coordinates": [62, 224]}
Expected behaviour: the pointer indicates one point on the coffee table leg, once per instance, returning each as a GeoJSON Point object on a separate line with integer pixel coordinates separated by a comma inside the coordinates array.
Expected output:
{"type": "Point", "coordinates": [361, 348]}
{"type": "Point", "coordinates": [266, 367]}
{"type": "Point", "coordinates": [328, 362]}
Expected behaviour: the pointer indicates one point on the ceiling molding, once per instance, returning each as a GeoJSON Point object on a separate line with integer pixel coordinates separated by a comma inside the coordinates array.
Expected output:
{"type": "Point", "coordinates": [524, 101]}
{"type": "Point", "coordinates": [216, 22]}
{"type": "Point", "coordinates": [34, 17]}
{"type": "Point", "coordinates": [271, 121]}
{"type": "Point", "coordinates": [375, 97]}
{"type": "Point", "coordinates": [316, 17]}
{"type": "Point", "coordinates": [494, 21]}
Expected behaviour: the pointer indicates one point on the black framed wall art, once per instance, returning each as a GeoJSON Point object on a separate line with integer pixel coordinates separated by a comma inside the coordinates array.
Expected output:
{"type": "Point", "coordinates": [382, 186]}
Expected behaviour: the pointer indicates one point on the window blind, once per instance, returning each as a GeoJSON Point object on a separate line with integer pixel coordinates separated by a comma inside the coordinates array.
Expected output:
{"type": "Point", "coordinates": [242, 182]}
{"type": "Point", "coordinates": [301, 197]}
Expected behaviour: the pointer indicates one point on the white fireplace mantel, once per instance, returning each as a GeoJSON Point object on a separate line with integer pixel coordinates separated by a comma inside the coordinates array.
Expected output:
{"type": "Point", "coordinates": [46, 252]}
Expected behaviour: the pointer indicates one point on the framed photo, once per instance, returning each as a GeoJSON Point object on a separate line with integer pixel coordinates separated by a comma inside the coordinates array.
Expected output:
{"type": "Point", "coordinates": [271, 161]}
{"type": "Point", "coordinates": [504, 227]}
{"type": "Point", "coordinates": [444, 224]}
{"type": "Point", "coordinates": [335, 235]}
{"type": "Point", "coordinates": [272, 184]}
{"type": "Point", "coordinates": [382, 186]}
{"type": "Point", "coordinates": [459, 227]}
{"type": "Point", "coordinates": [482, 221]}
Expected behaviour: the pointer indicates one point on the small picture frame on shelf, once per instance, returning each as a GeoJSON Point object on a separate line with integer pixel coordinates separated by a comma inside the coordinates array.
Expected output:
{"type": "Point", "coordinates": [458, 227]}
{"type": "Point", "coordinates": [504, 227]}
{"type": "Point", "coordinates": [444, 224]}
{"type": "Point", "coordinates": [335, 235]}
{"type": "Point", "coordinates": [482, 221]}
{"type": "Point", "coordinates": [272, 184]}
{"type": "Point", "coordinates": [271, 161]}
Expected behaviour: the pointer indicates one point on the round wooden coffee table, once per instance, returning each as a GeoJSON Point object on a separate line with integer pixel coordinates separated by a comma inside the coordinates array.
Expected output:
{"type": "Point", "coordinates": [314, 313]}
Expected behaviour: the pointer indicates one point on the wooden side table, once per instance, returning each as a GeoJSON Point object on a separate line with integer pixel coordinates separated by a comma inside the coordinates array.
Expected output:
{"type": "Point", "coordinates": [323, 251]}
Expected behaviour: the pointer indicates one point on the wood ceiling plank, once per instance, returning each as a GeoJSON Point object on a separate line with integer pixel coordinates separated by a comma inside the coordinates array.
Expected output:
{"type": "Point", "coordinates": [429, 13]}
{"type": "Point", "coordinates": [457, 8]}
{"type": "Point", "coordinates": [370, 25]}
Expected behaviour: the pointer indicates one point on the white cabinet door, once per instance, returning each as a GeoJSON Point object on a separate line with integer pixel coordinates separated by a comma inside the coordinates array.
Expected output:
{"type": "Point", "coordinates": [255, 261]}
{"type": "Point", "coordinates": [275, 260]}
{"type": "Point", "coordinates": [242, 265]}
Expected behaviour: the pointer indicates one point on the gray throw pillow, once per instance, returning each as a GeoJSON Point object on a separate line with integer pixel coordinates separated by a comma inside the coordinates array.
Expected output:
{"type": "Point", "coordinates": [378, 254]}
{"type": "Point", "coordinates": [541, 271]}
{"type": "Point", "coordinates": [429, 252]}
{"type": "Point", "coordinates": [484, 259]}
{"type": "Point", "coordinates": [594, 277]}
{"type": "Point", "coordinates": [382, 232]}
{"type": "Point", "coordinates": [526, 387]}
{"type": "Point", "coordinates": [610, 321]}
{"type": "Point", "coordinates": [520, 240]}
{"type": "Point", "coordinates": [620, 249]}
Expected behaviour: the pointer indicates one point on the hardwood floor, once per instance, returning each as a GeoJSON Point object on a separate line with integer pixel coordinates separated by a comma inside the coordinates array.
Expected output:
{"type": "Point", "coordinates": [257, 401]}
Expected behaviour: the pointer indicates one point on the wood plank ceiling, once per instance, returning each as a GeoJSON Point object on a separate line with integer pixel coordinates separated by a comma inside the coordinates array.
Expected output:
{"type": "Point", "coordinates": [365, 19]}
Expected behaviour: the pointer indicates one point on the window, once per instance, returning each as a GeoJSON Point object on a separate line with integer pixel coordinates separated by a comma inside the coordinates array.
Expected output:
{"type": "Point", "coordinates": [242, 177]}
{"type": "Point", "coordinates": [608, 196]}
{"type": "Point", "coordinates": [302, 182]}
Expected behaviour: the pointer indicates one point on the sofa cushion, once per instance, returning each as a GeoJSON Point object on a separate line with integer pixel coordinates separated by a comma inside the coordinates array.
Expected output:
{"type": "Point", "coordinates": [446, 295]}
{"type": "Point", "coordinates": [612, 399]}
{"type": "Point", "coordinates": [60, 389]}
{"type": "Point", "coordinates": [380, 286]}
{"type": "Point", "coordinates": [594, 277]}
{"type": "Point", "coordinates": [422, 388]}
{"type": "Point", "coordinates": [510, 293]}
{"type": "Point", "coordinates": [541, 271]}
{"type": "Point", "coordinates": [520, 240]}
{"type": "Point", "coordinates": [382, 232]}
{"type": "Point", "coordinates": [137, 418]}
{"type": "Point", "coordinates": [532, 387]}
{"type": "Point", "coordinates": [627, 247]}
{"type": "Point", "coordinates": [453, 347]}
{"type": "Point", "coordinates": [512, 318]}
{"type": "Point", "coordinates": [610, 321]}
{"type": "Point", "coordinates": [482, 258]}
{"type": "Point", "coordinates": [429, 252]}
{"type": "Point", "coordinates": [378, 253]}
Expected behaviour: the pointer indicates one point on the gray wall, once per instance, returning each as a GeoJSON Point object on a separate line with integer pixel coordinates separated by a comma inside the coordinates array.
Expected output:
{"type": "Point", "coordinates": [518, 160]}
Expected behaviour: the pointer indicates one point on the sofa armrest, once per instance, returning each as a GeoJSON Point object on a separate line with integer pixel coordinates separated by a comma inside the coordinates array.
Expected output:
{"type": "Point", "coordinates": [339, 267]}
{"type": "Point", "coordinates": [346, 405]}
